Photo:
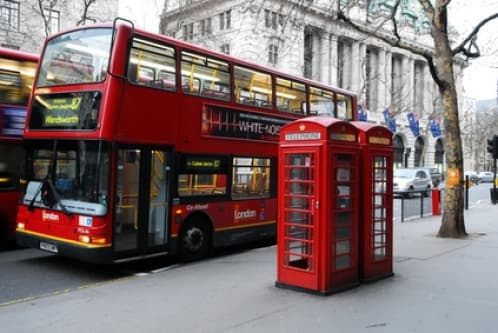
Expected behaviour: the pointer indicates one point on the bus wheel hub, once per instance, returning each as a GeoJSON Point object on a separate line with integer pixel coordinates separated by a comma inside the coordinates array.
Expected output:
{"type": "Point", "coordinates": [194, 239]}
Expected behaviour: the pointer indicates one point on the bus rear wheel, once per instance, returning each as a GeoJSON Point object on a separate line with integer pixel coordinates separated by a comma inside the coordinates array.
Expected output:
{"type": "Point", "coordinates": [194, 241]}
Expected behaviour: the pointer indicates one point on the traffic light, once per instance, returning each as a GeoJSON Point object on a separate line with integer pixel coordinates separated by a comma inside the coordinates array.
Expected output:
{"type": "Point", "coordinates": [493, 146]}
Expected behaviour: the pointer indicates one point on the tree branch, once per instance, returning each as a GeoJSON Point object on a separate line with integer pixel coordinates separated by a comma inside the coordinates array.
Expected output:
{"type": "Point", "coordinates": [394, 42]}
{"type": "Point", "coordinates": [393, 20]}
{"type": "Point", "coordinates": [471, 40]}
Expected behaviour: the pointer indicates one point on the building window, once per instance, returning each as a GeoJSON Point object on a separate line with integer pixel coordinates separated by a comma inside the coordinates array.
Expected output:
{"type": "Point", "coordinates": [273, 20]}
{"type": "Point", "coordinates": [273, 54]}
{"type": "Point", "coordinates": [205, 26]}
{"type": "Point", "coordinates": [225, 48]}
{"type": "Point", "coordinates": [225, 20]}
{"type": "Point", "coordinates": [9, 14]}
{"type": "Point", "coordinates": [188, 31]}
{"type": "Point", "coordinates": [53, 20]}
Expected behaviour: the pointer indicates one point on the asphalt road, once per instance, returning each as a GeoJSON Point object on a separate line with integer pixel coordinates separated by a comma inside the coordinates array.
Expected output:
{"type": "Point", "coordinates": [30, 273]}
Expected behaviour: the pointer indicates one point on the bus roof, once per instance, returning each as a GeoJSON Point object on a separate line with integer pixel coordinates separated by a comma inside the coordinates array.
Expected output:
{"type": "Point", "coordinates": [209, 52]}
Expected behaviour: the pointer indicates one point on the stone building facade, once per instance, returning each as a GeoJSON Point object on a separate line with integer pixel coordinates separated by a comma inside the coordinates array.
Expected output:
{"type": "Point", "coordinates": [24, 24]}
{"type": "Point", "coordinates": [302, 38]}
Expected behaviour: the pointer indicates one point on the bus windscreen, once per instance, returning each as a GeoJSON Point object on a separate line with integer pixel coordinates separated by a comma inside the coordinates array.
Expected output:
{"type": "Point", "coordinates": [78, 57]}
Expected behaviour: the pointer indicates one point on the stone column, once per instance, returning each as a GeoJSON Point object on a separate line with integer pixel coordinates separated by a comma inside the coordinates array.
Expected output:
{"type": "Point", "coordinates": [325, 58]}
{"type": "Point", "coordinates": [388, 69]}
{"type": "Point", "coordinates": [362, 66]}
{"type": "Point", "coordinates": [355, 68]}
{"type": "Point", "coordinates": [407, 84]}
{"type": "Point", "coordinates": [316, 56]}
{"type": "Point", "coordinates": [334, 61]}
{"type": "Point", "coordinates": [381, 82]}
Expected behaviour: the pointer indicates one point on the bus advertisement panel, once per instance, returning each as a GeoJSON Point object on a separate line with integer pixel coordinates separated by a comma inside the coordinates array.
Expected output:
{"type": "Point", "coordinates": [17, 71]}
{"type": "Point", "coordinates": [141, 145]}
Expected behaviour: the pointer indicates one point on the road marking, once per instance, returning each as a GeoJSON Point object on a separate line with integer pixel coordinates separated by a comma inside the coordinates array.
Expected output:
{"type": "Point", "coordinates": [63, 291]}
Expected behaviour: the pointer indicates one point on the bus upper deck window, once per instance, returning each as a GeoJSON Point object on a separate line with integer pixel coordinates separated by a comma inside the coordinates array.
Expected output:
{"type": "Point", "coordinates": [152, 65]}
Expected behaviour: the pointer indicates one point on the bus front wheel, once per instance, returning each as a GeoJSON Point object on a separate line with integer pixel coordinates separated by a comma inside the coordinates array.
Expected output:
{"type": "Point", "coordinates": [195, 241]}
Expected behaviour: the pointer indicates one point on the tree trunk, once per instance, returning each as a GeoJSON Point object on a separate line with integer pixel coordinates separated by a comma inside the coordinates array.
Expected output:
{"type": "Point", "coordinates": [452, 224]}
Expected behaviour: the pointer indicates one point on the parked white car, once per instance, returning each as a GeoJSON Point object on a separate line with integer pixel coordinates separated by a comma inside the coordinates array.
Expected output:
{"type": "Point", "coordinates": [485, 176]}
{"type": "Point", "coordinates": [411, 180]}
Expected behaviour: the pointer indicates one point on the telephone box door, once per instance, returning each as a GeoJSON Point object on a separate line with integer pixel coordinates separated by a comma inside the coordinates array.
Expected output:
{"type": "Point", "coordinates": [343, 227]}
{"type": "Point", "coordinates": [298, 230]}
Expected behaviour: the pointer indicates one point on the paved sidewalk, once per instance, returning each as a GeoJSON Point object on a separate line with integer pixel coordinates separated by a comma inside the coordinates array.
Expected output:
{"type": "Point", "coordinates": [440, 285]}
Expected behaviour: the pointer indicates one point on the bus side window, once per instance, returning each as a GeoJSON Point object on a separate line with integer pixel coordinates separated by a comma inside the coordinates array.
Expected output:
{"type": "Point", "coordinates": [250, 178]}
{"type": "Point", "coordinates": [321, 102]}
{"type": "Point", "coordinates": [152, 65]}
{"type": "Point", "coordinates": [344, 107]}
{"type": "Point", "coordinates": [190, 85]}
{"type": "Point", "coordinates": [253, 87]}
{"type": "Point", "coordinates": [204, 75]}
{"type": "Point", "coordinates": [291, 96]}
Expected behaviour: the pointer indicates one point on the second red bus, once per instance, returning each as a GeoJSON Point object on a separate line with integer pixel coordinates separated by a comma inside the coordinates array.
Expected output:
{"type": "Point", "coordinates": [17, 71]}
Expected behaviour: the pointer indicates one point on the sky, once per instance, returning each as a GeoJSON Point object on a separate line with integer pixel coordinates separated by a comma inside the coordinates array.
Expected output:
{"type": "Point", "coordinates": [480, 77]}
{"type": "Point", "coordinates": [144, 13]}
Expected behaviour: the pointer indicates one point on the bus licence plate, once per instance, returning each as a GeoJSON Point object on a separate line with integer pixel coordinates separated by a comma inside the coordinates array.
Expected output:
{"type": "Point", "coordinates": [49, 247]}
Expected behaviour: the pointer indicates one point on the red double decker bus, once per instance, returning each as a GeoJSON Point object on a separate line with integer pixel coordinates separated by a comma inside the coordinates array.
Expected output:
{"type": "Point", "coordinates": [17, 71]}
{"type": "Point", "coordinates": [141, 145]}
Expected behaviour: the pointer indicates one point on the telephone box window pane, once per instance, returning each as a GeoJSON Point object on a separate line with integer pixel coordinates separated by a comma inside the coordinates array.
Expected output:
{"type": "Point", "coordinates": [301, 203]}
{"type": "Point", "coordinates": [344, 218]}
{"type": "Point", "coordinates": [343, 199]}
{"type": "Point", "coordinates": [379, 174]}
{"type": "Point", "coordinates": [343, 175]}
{"type": "Point", "coordinates": [342, 247]}
{"type": "Point", "coordinates": [380, 240]}
{"type": "Point", "coordinates": [299, 254]}
{"type": "Point", "coordinates": [343, 232]}
{"type": "Point", "coordinates": [379, 187]}
{"type": "Point", "coordinates": [380, 213]}
{"type": "Point", "coordinates": [342, 262]}
{"type": "Point", "coordinates": [380, 253]}
{"type": "Point", "coordinates": [379, 200]}
{"type": "Point", "coordinates": [380, 226]}
{"type": "Point", "coordinates": [344, 159]}
{"type": "Point", "coordinates": [342, 203]}
{"type": "Point", "coordinates": [343, 190]}
{"type": "Point", "coordinates": [296, 217]}
{"type": "Point", "coordinates": [297, 232]}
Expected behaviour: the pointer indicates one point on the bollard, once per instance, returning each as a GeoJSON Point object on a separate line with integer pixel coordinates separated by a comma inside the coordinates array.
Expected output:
{"type": "Point", "coordinates": [436, 201]}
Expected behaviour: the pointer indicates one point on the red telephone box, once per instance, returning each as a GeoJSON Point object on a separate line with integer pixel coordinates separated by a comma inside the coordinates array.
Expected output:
{"type": "Point", "coordinates": [318, 205]}
{"type": "Point", "coordinates": [376, 201]}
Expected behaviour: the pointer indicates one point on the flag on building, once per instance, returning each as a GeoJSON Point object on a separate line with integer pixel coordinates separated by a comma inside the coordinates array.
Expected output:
{"type": "Point", "coordinates": [389, 119]}
{"type": "Point", "coordinates": [435, 126]}
{"type": "Point", "coordinates": [362, 113]}
{"type": "Point", "coordinates": [414, 123]}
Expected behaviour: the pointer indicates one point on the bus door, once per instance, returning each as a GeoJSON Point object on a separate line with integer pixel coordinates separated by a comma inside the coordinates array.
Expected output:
{"type": "Point", "coordinates": [141, 200]}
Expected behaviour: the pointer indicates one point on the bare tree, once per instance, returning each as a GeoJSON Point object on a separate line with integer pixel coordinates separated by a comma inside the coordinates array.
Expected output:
{"type": "Point", "coordinates": [440, 63]}
{"type": "Point", "coordinates": [85, 17]}
{"type": "Point", "coordinates": [45, 9]}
